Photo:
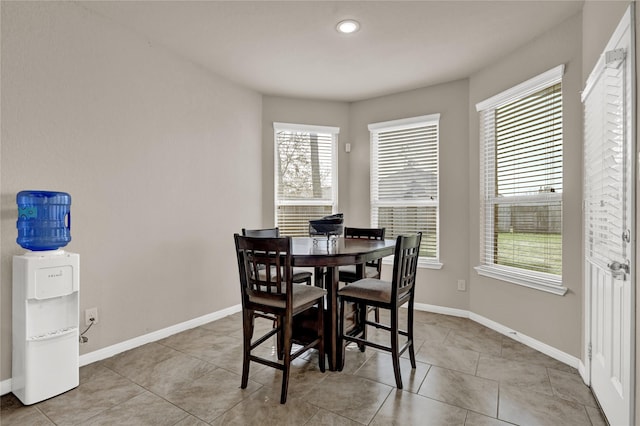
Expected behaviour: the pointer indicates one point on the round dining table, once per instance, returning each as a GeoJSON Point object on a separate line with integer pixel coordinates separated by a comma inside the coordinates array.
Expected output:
{"type": "Point", "coordinates": [325, 255]}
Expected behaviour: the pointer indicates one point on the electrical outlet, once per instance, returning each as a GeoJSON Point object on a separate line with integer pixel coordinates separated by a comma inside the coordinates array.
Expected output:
{"type": "Point", "coordinates": [91, 313]}
{"type": "Point", "coordinates": [462, 285]}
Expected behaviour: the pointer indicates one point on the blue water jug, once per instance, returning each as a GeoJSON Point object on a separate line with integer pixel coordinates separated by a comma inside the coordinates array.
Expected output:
{"type": "Point", "coordinates": [44, 220]}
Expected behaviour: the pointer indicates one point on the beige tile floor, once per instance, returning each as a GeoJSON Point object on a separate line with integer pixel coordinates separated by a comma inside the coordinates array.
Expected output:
{"type": "Point", "coordinates": [466, 375]}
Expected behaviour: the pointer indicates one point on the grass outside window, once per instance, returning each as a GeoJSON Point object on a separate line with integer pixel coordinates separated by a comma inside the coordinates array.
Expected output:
{"type": "Point", "coordinates": [533, 251]}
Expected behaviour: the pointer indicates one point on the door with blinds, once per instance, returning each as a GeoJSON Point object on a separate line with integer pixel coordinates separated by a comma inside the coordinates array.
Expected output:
{"type": "Point", "coordinates": [609, 233]}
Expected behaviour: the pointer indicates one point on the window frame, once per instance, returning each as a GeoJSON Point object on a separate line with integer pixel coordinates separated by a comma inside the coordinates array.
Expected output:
{"type": "Point", "coordinates": [405, 124]}
{"type": "Point", "coordinates": [547, 282]}
{"type": "Point", "coordinates": [307, 128]}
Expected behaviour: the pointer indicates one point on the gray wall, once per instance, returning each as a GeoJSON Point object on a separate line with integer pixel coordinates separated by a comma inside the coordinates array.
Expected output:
{"type": "Point", "coordinates": [548, 318]}
{"type": "Point", "coordinates": [151, 148]}
{"type": "Point", "coordinates": [554, 320]}
{"type": "Point", "coordinates": [142, 140]}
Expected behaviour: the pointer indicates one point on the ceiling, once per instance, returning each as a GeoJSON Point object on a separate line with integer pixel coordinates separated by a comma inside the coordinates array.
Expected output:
{"type": "Point", "coordinates": [292, 48]}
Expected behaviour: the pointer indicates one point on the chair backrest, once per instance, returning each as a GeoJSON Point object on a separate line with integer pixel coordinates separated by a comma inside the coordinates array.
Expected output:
{"type": "Point", "coordinates": [264, 233]}
{"type": "Point", "coordinates": [272, 258]}
{"type": "Point", "coordinates": [369, 234]}
{"type": "Point", "coordinates": [405, 265]}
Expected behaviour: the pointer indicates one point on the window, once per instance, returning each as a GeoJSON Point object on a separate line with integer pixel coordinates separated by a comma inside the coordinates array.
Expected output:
{"type": "Point", "coordinates": [305, 175]}
{"type": "Point", "coordinates": [404, 180]}
{"type": "Point", "coordinates": [521, 184]}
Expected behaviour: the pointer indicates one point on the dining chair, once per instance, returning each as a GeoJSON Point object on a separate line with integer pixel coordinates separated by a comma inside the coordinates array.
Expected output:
{"type": "Point", "coordinates": [371, 269]}
{"type": "Point", "coordinates": [300, 275]}
{"type": "Point", "coordinates": [389, 295]}
{"type": "Point", "coordinates": [275, 293]}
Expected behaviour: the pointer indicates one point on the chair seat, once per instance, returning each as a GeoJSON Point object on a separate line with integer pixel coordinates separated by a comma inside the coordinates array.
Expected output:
{"type": "Point", "coordinates": [349, 272]}
{"type": "Point", "coordinates": [368, 289]}
{"type": "Point", "coordinates": [302, 294]}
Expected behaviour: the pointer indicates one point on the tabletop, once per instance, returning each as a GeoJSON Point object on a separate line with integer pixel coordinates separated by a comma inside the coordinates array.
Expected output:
{"type": "Point", "coordinates": [313, 251]}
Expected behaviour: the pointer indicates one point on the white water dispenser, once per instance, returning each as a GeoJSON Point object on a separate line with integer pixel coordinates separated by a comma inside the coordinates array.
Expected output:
{"type": "Point", "coordinates": [45, 324]}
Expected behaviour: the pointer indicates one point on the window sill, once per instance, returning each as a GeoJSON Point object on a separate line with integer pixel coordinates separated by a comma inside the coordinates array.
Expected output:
{"type": "Point", "coordinates": [542, 283]}
{"type": "Point", "coordinates": [422, 263]}
{"type": "Point", "coordinates": [429, 264]}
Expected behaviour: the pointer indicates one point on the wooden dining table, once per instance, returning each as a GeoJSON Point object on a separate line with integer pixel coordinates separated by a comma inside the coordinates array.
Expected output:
{"type": "Point", "coordinates": [325, 256]}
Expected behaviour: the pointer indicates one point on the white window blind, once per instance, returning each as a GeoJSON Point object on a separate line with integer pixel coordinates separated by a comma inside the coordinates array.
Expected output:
{"type": "Point", "coordinates": [604, 166]}
{"type": "Point", "coordinates": [521, 183]}
{"type": "Point", "coordinates": [404, 180]}
{"type": "Point", "coordinates": [306, 175]}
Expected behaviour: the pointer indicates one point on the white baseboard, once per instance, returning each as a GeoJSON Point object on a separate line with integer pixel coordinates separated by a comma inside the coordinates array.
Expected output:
{"type": "Point", "coordinates": [5, 387]}
{"type": "Point", "coordinates": [584, 373]}
{"type": "Point", "coordinates": [112, 350]}
{"type": "Point", "coordinates": [515, 335]}
{"type": "Point", "coordinates": [100, 354]}
{"type": "Point", "coordinates": [441, 310]}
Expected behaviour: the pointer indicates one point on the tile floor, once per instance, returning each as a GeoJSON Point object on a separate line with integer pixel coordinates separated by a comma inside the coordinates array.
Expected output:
{"type": "Point", "coordinates": [466, 375]}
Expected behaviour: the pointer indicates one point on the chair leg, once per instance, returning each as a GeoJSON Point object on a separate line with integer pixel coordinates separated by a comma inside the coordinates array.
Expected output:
{"type": "Point", "coordinates": [247, 325]}
{"type": "Point", "coordinates": [279, 339]}
{"type": "Point", "coordinates": [318, 277]}
{"type": "Point", "coordinates": [412, 352]}
{"type": "Point", "coordinates": [362, 311]}
{"type": "Point", "coordinates": [376, 313]}
{"type": "Point", "coordinates": [340, 342]}
{"type": "Point", "coordinates": [394, 347]}
{"type": "Point", "coordinates": [288, 327]}
{"type": "Point", "coordinates": [321, 350]}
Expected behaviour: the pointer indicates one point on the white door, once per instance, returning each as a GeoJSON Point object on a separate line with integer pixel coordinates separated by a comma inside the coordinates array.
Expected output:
{"type": "Point", "coordinates": [609, 201]}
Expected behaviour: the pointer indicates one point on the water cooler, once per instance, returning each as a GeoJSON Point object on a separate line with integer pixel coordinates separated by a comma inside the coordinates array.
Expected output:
{"type": "Point", "coordinates": [46, 284]}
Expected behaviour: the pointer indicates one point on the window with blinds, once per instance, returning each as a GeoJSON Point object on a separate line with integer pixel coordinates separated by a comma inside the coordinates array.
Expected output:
{"type": "Point", "coordinates": [305, 175]}
{"type": "Point", "coordinates": [404, 180]}
{"type": "Point", "coordinates": [521, 182]}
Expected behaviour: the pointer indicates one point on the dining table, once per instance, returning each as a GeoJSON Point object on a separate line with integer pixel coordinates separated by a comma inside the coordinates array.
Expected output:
{"type": "Point", "coordinates": [325, 255]}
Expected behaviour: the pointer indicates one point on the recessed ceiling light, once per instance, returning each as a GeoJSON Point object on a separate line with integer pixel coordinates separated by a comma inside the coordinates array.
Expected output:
{"type": "Point", "coordinates": [348, 26]}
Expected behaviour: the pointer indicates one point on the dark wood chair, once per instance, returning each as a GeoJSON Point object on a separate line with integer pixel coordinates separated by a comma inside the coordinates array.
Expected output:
{"type": "Point", "coordinates": [372, 269]}
{"type": "Point", "coordinates": [389, 295]}
{"type": "Point", "coordinates": [300, 275]}
{"type": "Point", "coordinates": [275, 294]}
